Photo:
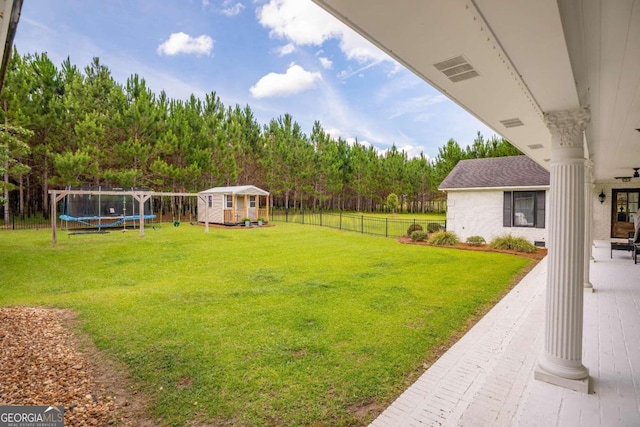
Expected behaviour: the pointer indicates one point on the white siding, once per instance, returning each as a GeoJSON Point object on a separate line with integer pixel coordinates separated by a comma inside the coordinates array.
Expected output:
{"type": "Point", "coordinates": [479, 213]}
{"type": "Point", "coordinates": [601, 221]}
{"type": "Point", "coordinates": [215, 212]}
{"type": "Point", "coordinates": [201, 209]}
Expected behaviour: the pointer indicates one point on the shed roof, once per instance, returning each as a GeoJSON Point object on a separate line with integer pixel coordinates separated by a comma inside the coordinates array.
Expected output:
{"type": "Point", "coordinates": [513, 171]}
{"type": "Point", "coordinates": [238, 189]}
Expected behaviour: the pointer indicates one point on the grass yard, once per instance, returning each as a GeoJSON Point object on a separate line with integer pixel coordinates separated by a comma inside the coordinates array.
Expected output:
{"type": "Point", "coordinates": [284, 325]}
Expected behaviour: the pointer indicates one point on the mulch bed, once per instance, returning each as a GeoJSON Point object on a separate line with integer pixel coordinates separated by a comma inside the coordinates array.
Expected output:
{"type": "Point", "coordinates": [41, 364]}
{"type": "Point", "coordinates": [538, 254]}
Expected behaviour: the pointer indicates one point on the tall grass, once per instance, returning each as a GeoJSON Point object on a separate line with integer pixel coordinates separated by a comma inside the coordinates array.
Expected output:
{"type": "Point", "coordinates": [283, 325]}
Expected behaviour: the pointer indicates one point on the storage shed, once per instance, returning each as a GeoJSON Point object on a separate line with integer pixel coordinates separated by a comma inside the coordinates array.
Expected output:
{"type": "Point", "coordinates": [231, 205]}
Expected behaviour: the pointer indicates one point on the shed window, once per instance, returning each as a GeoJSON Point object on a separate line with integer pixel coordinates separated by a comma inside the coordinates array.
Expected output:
{"type": "Point", "coordinates": [523, 209]}
{"type": "Point", "coordinates": [228, 201]}
{"type": "Point", "coordinates": [210, 201]}
{"type": "Point", "coordinates": [252, 201]}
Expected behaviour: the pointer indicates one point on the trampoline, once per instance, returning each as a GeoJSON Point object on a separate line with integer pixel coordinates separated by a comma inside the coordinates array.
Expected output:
{"type": "Point", "coordinates": [98, 210]}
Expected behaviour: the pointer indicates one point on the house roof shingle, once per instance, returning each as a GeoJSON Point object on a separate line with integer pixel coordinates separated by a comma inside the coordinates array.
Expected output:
{"type": "Point", "coordinates": [514, 171]}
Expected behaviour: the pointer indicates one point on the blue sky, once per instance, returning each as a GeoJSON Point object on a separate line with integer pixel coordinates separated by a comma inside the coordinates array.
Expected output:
{"type": "Point", "coordinates": [278, 56]}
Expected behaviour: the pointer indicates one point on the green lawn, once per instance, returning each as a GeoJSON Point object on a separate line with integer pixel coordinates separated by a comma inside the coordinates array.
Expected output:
{"type": "Point", "coordinates": [284, 325]}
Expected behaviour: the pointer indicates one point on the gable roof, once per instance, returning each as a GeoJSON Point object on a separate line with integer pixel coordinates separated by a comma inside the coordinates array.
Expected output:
{"type": "Point", "coordinates": [514, 171]}
{"type": "Point", "coordinates": [238, 189]}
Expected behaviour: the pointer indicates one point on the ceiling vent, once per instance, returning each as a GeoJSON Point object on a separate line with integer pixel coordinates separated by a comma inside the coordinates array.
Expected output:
{"type": "Point", "coordinates": [535, 146]}
{"type": "Point", "coordinates": [457, 69]}
{"type": "Point", "coordinates": [512, 123]}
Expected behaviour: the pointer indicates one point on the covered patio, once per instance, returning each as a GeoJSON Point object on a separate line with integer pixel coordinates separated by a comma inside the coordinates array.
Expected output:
{"type": "Point", "coordinates": [486, 378]}
{"type": "Point", "coordinates": [560, 79]}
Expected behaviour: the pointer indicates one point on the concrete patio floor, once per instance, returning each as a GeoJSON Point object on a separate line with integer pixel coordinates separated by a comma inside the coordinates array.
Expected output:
{"type": "Point", "coordinates": [486, 378]}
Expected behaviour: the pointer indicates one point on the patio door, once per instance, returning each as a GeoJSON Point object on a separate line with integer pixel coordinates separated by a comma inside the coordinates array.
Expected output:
{"type": "Point", "coordinates": [623, 211]}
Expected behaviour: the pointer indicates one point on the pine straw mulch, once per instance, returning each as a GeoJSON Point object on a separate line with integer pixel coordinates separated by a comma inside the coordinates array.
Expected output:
{"type": "Point", "coordinates": [43, 363]}
{"type": "Point", "coordinates": [537, 255]}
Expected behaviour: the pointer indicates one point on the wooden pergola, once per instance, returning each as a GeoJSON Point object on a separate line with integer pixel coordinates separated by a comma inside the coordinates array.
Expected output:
{"type": "Point", "coordinates": [140, 196]}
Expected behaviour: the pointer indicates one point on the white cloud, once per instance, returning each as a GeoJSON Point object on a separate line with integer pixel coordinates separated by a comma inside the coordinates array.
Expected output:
{"type": "Point", "coordinates": [345, 121]}
{"type": "Point", "coordinates": [419, 104]}
{"type": "Point", "coordinates": [227, 7]}
{"type": "Point", "coordinates": [37, 25]}
{"type": "Point", "coordinates": [360, 49]}
{"type": "Point", "coordinates": [424, 117]}
{"type": "Point", "coordinates": [287, 49]}
{"type": "Point", "coordinates": [184, 43]}
{"type": "Point", "coordinates": [327, 64]}
{"type": "Point", "coordinates": [304, 23]}
{"type": "Point", "coordinates": [231, 10]}
{"type": "Point", "coordinates": [298, 21]}
{"type": "Point", "coordinates": [405, 82]}
{"type": "Point", "coordinates": [349, 72]}
{"type": "Point", "coordinates": [64, 43]}
{"type": "Point", "coordinates": [397, 68]}
{"type": "Point", "coordinates": [412, 150]}
{"type": "Point", "coordinates": [335, 133]}
{"type": "Point", "coordinates": [295, 80]}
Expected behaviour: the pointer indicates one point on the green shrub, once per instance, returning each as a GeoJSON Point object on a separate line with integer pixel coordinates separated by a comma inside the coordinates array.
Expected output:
{"type": "Point", "coordinates": [414, 227]}
{"type": "Point", "coordinates": [433, 227]}
{"type": "Point", "coordinates": [476, 240]}
{"type": "Point", "coordinates": [519, 244]}
{"type": "Point", "coordinates": [419, 236]}
{"type": "Point", "coordinates": [443, 238]}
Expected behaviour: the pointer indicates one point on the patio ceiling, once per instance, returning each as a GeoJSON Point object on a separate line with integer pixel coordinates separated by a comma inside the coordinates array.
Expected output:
{"type": "Point", "coordinates": [508, 62]}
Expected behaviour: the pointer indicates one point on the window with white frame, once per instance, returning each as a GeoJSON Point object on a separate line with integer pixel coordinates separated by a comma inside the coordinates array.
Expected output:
{"type": "Point", "coordinates": [228, 201]}
{"type": "Point", "coordinates": [252, 201]}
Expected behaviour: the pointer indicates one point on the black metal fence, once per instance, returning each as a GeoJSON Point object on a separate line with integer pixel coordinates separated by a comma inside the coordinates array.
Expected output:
{"type": "Point", "coordinates": [365, 224]}
{"type": "Point", "coordinates": [383, 226]}
{"type": "Point", "coordinates": [23, 222]}
{"type": "Point", "coordinates": [16, 221]}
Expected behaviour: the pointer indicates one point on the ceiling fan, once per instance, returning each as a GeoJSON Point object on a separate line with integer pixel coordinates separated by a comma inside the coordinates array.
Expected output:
{"type": "Point", "coordinates": [636, 174]}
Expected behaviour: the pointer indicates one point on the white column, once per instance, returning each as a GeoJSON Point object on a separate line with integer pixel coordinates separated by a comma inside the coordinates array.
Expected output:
{"type": "Point", "coordinates": [588, 215]}
{"type": "Point", "coordinates": [561, 361]}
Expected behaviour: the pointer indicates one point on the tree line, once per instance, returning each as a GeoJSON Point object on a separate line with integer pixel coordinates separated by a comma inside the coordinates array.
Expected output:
{"type": "Point", "coordinates": [82, 128]}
